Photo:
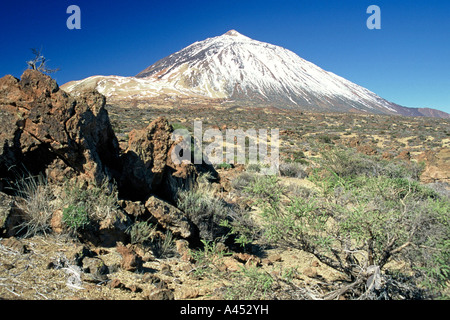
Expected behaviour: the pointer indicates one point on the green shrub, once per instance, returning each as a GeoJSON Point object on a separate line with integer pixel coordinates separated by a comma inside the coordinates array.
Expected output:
{"type": "Point", "coordinates": [251, 284]}
{"type": "Point", "coordinates": [343, 165]}
{"type": "Point", "coordinates": [431, 253]}
{"type": "Point", "coordinates": [141, 232]}
{"type": "Point", "coordinates": [215, 219]}
{"type": "Point", "coordinates": [264, 187]}
{"type": "Point", "coordinates": [81, 203]}
{"type": "Point", "coordinates": [224, 166]}
{"type": "Point", "coordinates": [242, 227]}
{"type": "Point", "coordinates": [206, 257]}
{"type": "Point", "coordinates": [364, 221]}
{"type": "Point", "coordinates": [297, 156]}
{"type": "Point", "coordinates": [163, 246]}
{"type": "Point", "coordinates": [325, 139]}
{"type": "Point", "coordinates": [144, 233]}
{"type": "Point", "coordinates": [253, 167]}
{"type": "Point", "coordinates": [178, 126]}
{"type": "Point", "coordinates": [76, 217]}
{"type": "Point", "coordinates": [256, 167]}
{"type": "Point", "coordinates": [99, 201]}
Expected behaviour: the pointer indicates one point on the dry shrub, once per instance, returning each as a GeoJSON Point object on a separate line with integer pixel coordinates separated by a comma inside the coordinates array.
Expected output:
{"type": "Point", "coordinates": [37, 202]}
{"type": "Point", "coordinates": [293, 170]}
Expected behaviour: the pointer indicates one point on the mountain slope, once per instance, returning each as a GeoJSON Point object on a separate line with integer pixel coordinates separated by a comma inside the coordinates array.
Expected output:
{"type": "Point", "coordinates": [235, 67]}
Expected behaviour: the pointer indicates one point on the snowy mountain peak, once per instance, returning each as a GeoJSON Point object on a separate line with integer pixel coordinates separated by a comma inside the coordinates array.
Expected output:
{"type": "Point", "coordinates": [238, 68]}
{"type": "Point", "coordinates": [233, 66]}
{"type": "Point", "coordinates": [234, 33]}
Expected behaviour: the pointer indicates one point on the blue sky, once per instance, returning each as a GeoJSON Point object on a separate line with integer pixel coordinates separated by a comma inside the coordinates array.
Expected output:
{"type": "Point", "coordinates": [406, 62]}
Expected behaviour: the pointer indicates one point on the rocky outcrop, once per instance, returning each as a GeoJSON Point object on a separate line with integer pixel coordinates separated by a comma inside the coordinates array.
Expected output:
{"type": "Point", "coordinates": [148, 167]}
{"type": "Point", "coordinates": [46, 130]}
{"type": "Point", "coordinates": [49, 132]}
{"type": "Point", "coordinates": [145, 160]}
{"type": "Point", "coordinates": [110, 230]}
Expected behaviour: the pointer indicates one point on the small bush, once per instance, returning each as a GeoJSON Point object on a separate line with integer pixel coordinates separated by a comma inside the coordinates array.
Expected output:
{"type": "Point", "coordinates": [144, 233]}
{"type": "Point", "coordinates": [242, 181]}
{"type": "Point", "coordinates": [264, 187]}
{"type": "Point", "coordinates": [37, 204]}
{"type": "Point", "coordinates": [251, 284]}
{"type": "Point", "coordinates": [347, 164]}
{"type": "Point", "coordinates": [215, 219]}
{"type": "Point", "coordinates": [325, 139]}
{"type": "Point", "coordinates": [257, 167]}
{"type": "Point", "coordinates": [224, 165]}
{"type": "Point", "coordinates": [293, 170]}
{"type": "Point", "coordinates": [253, 167]}
{"type": "Point", "coordinates": [205, 211]}
{"type": "Point", "coordinates": [242, 227]}
{"type": "Point", "coordinates": [99, 201]}
{"type": "Point", "coordinates": [206, 257]}
{"type": "Point", "coordinates": [163, 246]}
{"type": "Point", "coordinates": [76, 217]}
{"type": "Point", "coordinates": [80, 203]}
{"type": "Point", "coordinates": [141, 232]}
{"type": "Point", "coordinates": [441, 188]}
{"type": "Point", "coordinates": [297, 156]}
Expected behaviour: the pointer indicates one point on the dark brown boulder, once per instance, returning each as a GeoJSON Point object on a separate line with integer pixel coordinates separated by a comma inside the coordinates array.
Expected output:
{"type": "Point", "coordinates": [148, 167]}
{"type": "Point", "coordinates": [10, 216]}
{"type": "Point", "coordinates": [170, 217]}
{"type": "Point", "coordinates": [130, 260]}
{"type": "Point", "coordinates": [144, 161]}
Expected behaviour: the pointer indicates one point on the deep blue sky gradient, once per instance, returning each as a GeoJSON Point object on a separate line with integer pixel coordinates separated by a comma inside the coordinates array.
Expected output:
{"type": "Point", "coordinates": [406, 62]}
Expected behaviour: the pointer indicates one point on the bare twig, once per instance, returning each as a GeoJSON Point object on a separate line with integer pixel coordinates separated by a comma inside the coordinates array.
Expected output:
{"type": "Point", "coordinates": [12, 292]}
{"type": "Point", "coordinates": [40, 293]}
{"type": "Point", "coordinates": [333, 295]}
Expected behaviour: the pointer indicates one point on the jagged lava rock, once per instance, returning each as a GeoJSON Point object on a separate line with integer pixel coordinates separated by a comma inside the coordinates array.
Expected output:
{"type": "Point", "coordinates": [170, 217]}
{"type": "Point", "coordinates": [46, 130]}
{"type": "Point", "coordinates": [148, 167]}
